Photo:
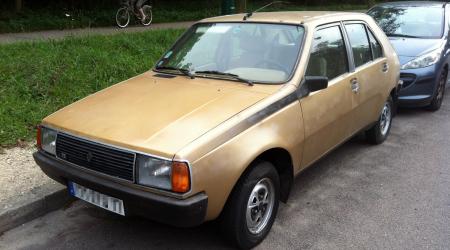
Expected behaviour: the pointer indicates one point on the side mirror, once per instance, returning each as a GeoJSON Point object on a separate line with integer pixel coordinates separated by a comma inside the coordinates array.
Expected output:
{"type": "Point", "coordinates": [312, 84]}
{"type": "Point", "coordinates": [315, 83]}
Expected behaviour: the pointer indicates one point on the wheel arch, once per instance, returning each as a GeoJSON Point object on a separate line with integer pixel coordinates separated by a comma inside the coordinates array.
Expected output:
{"type": "Point", "coordinates": [394, 95]}
{"type": "Point", "coordinates": [282, 161]}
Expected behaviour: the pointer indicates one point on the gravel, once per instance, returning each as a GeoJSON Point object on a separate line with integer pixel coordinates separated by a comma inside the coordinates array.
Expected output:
{"type": "Point", "coordinates": [19, 175]}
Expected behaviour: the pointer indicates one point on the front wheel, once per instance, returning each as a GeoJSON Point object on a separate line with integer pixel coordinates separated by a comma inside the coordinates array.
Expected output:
{"type": "Point", "coordinates": [380, 131]}
{"type": "Point", "coordinates": [252, 206]}
{"type": "Point", "coordinates": [123, 17]}
{"type": "Point", "coordinates": [436, 103]}
{"type": "Point", "coordinates": [147, 20]}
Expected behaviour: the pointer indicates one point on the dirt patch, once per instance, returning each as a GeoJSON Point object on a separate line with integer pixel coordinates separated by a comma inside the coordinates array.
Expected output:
{"type": "Point", "coordinates": [19, 174]}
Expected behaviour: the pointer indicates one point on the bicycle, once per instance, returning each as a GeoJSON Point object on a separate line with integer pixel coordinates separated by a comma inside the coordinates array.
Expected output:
{"type": "Point", "coordinates": [123, 15]}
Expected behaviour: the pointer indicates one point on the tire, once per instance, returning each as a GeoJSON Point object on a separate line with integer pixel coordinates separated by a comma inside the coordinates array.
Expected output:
{"type": "Point", "coordinates": [380, 131]}
{"type": "Point", "coordinates": [123, 17]}
{"type": "Point", "coordinates": [436, 103]}
{"type": "Point", "coordinates": [239, 223]}
{"type": "Point", "coordinates": [148, 15]}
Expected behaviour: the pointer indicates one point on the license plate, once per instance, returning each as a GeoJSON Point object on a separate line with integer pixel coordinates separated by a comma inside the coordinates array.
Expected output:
{"type": "Point", "coordinates": [101, 200]}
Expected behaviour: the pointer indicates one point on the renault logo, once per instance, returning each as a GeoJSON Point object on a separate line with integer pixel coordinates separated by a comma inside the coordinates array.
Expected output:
{"type": "Point", "coordinates": [89, 156]}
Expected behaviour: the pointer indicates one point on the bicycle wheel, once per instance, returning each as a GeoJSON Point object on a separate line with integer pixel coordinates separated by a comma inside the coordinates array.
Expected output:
{"type": "Point", "coordinates": [123, 17]}
{"type": "Point", "coordinates": [148, 15]}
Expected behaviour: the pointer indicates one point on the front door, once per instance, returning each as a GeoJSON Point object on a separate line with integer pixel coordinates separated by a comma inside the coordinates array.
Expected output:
{"type": "Point", "coordinates": [327, 113]}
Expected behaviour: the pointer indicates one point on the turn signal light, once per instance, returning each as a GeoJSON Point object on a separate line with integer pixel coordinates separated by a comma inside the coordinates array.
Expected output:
{"type": "Point", "coordinates": [180, 177]}
{"type": "Point", "coordinates": [38, 137]}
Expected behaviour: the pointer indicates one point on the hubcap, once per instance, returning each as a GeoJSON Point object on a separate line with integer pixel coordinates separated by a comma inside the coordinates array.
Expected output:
{"type": "Point", "coordinates": [385, 119]}
{"type": "Point", "coordinates": [260, 205]}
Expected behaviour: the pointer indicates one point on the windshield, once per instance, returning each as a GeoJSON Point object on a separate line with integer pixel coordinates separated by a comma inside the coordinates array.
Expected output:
{"type": "Point", "coordinates": [410, 21]}
{"type": "Point", "coordinates": [257, 52]}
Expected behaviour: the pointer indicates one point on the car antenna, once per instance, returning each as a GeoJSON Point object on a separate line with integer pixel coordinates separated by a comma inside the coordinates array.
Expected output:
{"type": "Point", "coordinates": [265, 6]}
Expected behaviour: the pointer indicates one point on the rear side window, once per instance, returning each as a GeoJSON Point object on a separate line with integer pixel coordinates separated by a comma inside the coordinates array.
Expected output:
{"type": "Point", "coordinates": [328, 54]}
{"type": "Point", "coordinates": [359, 42]}
{"type": "Point", "coordinates": [377, 51]}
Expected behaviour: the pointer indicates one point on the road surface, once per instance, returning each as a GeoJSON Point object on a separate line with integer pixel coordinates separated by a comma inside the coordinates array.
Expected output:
{"type": "Point", "coordinates": [6, 38]}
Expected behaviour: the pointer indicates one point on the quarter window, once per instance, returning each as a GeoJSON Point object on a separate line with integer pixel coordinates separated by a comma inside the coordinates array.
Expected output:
{"type": "Point", "coordinates": [328, 55]}
{"type": "Point", "coordinates": [359, 42]}
{"type": "Point", "coordinates": [377, 51]}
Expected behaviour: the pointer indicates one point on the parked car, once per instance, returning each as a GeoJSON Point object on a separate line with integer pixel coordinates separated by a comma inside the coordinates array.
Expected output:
{"type": "Point", "coordinates": [229, 115]}
{"type": "Point", "coordinates": [419, 33]}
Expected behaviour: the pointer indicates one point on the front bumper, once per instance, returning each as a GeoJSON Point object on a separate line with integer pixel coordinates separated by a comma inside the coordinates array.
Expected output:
{"type": "Point", "coordinates": [418, 87]}
{"type": "Point", "coordinates": [183, 213]}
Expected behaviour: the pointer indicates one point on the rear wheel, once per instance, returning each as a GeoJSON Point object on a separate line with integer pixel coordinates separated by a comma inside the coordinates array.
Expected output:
{"type": "Point", "coordinates": [436, 103]}
{"type": "Point", "coordinates": [123, 17]}
{"type": "Point", "coordinates": [148, 15]}
{"type": "Point", "coordinates": [380, 131]}
{"type": "Point", "coordinates": [252, 207]}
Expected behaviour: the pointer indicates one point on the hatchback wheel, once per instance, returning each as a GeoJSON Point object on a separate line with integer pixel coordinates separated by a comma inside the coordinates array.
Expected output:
{"type": "Point", "coordinates": [380, 131]}
{"type": "Point", "coordinates": [436, 103]}
{"type": "Point", "coordinates": [252, 207]}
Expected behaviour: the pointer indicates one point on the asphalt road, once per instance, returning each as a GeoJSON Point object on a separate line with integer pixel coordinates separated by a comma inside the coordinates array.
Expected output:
{"type": "Point", "coordinates": [392, 196]}
{"type": "Point", "coordinates": [60, 34]}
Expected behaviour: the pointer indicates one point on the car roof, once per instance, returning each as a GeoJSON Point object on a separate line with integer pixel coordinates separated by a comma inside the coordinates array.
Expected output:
{"type": "Point", "coordinates": [414, 3]}
{"type": "Point", "coordinates": [298, 17]}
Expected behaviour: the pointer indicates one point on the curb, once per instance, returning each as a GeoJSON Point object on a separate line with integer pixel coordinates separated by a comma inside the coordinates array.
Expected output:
{"type": "Point", "coordinates": [19, 214]}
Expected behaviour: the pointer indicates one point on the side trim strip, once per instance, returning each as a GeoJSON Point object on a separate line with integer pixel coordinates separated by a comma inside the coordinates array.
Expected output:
{"type": "Point", "coordinates": [250, 121]}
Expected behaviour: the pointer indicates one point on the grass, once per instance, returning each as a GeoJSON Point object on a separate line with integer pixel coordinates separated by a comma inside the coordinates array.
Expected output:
{"type": "Point", "coordinates": [48, 20]}
{"type": "Point", "coordinates": [39, 78]}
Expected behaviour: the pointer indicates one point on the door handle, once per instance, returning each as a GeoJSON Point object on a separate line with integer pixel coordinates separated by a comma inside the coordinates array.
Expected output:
{"type": "Point", "coordinates": [385, 67]}
{"type": "Point", "coordinates": [355, 85]}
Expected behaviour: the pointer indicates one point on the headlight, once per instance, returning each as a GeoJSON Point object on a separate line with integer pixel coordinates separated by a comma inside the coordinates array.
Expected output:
{"type": "Point", "coordinates": [163, 174]}
{"type": "Point", "coordinates": [47, 140]}
{"type": "Point", "coordinates": [424, 61]}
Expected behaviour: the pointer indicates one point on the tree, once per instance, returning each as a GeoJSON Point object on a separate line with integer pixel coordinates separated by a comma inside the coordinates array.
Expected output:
{"type": "Point", "coordinates": [19, 4]}
{"type": "Point", "coordinates": [241, 6]}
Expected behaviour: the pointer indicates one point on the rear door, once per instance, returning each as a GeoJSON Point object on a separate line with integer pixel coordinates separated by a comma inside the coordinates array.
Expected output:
{"type": "Point", "coordinates": [371, 70]}
{"type": "Point", "coordinates": [327, 113]}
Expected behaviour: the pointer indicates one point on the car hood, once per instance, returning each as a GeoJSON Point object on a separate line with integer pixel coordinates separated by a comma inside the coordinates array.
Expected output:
{"type": "Point", "coordinates": [413, 47]}
{"type": "Point", "coordinates": [156, 115]}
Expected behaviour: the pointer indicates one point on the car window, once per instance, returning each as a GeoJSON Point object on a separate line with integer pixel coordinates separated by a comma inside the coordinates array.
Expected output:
{"type": "Point", "coordinates": [259, 52]}
{"type": "Point", "coordinates": [377, 50]}
{"type": "Point", "coordinates": [359, 43]}
{"type": "Point", "coordinates": [328, 55]}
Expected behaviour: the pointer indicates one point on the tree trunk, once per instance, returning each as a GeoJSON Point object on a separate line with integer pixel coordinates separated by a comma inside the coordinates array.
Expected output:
{"type": "Point", "coordinates": [19, 5]}
{"type": "Point", "coordinates": [370, 3]}
{"type": "Point", "coordinates": [241, 6]}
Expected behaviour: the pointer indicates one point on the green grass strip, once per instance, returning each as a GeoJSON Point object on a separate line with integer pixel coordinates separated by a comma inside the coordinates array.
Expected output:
{"type": "Point", "coordinates": [39, 78]}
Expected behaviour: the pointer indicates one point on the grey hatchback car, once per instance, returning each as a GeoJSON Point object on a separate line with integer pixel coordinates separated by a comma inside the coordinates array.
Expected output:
{"type": "Point", "coordinates": [419, 33]}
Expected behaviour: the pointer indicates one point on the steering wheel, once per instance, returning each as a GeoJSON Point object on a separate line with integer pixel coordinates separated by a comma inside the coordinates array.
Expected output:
{"type": "Point", "coordinates": [274, 64]}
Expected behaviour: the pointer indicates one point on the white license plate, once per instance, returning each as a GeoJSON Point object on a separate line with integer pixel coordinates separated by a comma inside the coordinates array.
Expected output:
{"type": "Point", "coordinates": [101, 200]}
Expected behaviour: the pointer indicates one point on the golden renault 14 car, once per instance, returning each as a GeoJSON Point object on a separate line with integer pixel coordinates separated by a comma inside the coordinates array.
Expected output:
{"type": "Point", "coordinates": [226, 119]}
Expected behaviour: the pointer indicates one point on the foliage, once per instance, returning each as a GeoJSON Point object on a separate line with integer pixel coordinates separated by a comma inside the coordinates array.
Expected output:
{"type": "Point", "coordinates": [39, 78]}
{"type": "Point", "coordinates": [48, 18]}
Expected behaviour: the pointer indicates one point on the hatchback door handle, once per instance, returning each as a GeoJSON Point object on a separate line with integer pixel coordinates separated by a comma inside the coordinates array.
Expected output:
{"type": "Point", "coordinates": [354, 85]}
{"type": "Point", "coordinates": [385, 67]}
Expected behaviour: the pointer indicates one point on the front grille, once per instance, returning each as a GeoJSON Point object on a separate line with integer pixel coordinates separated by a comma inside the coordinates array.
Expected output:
{"type": "Point", "coordinates": [95, 156]}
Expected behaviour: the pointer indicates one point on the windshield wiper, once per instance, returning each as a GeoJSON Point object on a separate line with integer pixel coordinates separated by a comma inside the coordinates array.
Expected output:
{"type": "Point", "coordinates": [402, 35]}
{"type": "Point", "coordinates": [185, 72]}
{"type": "Point", "coordinates": [233, 76]}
